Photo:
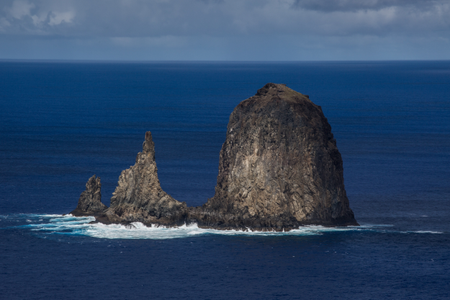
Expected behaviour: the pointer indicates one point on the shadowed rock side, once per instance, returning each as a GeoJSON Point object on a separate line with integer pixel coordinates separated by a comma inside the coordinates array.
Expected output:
{"type": "Point", "coordinates": [90, 200]}
{"type": "Point", "coordinates": [279, 167]}
{"type": "Point", "coordinates": [139, 197]}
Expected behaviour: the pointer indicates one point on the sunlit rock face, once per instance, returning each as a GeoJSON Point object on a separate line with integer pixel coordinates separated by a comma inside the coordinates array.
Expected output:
{"type": "Point", "coordinates": [139, 196]}
{"type": "Point", "coordinates": [279, 166]}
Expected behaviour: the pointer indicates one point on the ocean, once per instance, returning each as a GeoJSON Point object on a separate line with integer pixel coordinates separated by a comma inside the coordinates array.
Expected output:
{"type": "Point", "coordinates": [62, 122]}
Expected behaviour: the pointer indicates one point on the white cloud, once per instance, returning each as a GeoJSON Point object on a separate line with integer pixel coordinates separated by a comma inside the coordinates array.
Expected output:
{"type": "Point", "coordinates": [39, 18]}
{"type": "Point", "coordinates": [20, 8]}
{"type": "Point", "coordinates": [216, 18]}
{"type": "Point", "coordinates": [57, 18]}
{"type": "Point", "coordinates": [4, 24]}
{"type": "Point", "coordinates": [225, 26]}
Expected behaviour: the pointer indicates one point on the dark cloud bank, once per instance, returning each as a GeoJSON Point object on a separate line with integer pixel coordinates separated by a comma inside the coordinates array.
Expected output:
{"type": "Point", "coordinates": [225, 29]}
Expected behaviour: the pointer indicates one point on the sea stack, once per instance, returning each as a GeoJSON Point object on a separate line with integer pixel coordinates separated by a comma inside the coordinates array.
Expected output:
{"type": "Point", "coordinates": [90, 200]}
{"type": "Point", "coordinates": [139, 196]}
{"type": "Point", "coordinates": [279, 167]}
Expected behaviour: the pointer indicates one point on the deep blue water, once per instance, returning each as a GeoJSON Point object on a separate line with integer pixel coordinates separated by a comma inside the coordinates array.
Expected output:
{"type": "Point", "coordinates": [62, 122]}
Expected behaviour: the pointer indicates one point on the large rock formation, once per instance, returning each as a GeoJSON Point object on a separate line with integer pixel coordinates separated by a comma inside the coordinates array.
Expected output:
{"type": "Point", "coordinates": [279, 167]}
{"type": "Point", "coordinates": [90, 200]}
{"type": "Point", "coordinates": [139, 196]}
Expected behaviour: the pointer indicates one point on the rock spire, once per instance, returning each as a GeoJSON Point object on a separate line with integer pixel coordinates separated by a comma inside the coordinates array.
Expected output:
{"type": "Point", "coordinates": [139, 196]}
{"type": "Point", "coordinates": [90, 200]}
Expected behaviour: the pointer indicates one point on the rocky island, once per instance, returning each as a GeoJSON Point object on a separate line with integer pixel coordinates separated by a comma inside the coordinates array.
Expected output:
{"type": "Point", "coordinates": [279, 169]}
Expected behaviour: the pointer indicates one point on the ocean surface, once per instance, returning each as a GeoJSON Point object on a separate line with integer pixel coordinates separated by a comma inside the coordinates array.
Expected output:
{"type": "Point", "coordinates": [62, 122]}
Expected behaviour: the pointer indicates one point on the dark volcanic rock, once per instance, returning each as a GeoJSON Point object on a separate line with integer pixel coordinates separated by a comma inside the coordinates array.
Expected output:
{"type": "Point", "coordinates": [279, 167]}
{"type": "Point", "coordinates": [90, 200]}
{"type": "Point", "coordinates": [139, 196]}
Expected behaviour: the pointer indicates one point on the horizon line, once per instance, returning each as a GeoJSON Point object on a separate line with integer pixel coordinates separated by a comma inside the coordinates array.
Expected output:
{"type": "Point", "coordinates": [207, 61]}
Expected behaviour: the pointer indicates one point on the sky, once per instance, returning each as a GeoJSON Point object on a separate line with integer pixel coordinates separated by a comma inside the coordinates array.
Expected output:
{"type": "Point", "coordinates": [230, 30]}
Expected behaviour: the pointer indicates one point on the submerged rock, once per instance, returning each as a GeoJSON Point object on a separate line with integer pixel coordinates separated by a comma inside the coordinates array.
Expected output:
{"type": "Point", "coordinates": [139, 196]}
{"type": "Point", "coordinates": [279, 167]}
{"type": "Point", "coordinates": [90, 200]}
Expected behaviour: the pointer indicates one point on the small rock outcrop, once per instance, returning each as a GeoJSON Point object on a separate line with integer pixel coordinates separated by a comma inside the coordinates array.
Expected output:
{"type": "Point", "coordinates": [90, 200]}
{"type": "Point", "coordinates": [139, 196]}
{"type": "Point", "coordinates": [279, 167]}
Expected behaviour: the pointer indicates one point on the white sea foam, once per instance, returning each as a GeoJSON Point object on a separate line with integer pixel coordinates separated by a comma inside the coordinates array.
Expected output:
{"type": "Point", "coordinates": [68, 224]}
{"type": "Point", "coordinates": [426, 231]}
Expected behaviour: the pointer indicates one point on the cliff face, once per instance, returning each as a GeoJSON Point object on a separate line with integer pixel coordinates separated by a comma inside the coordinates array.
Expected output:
{"type": "Point", "coordinates": [139, 196]}
{"type": "Point", "coordinates": [90, 200]}
{"type": "Point", "coordinates": [279, 166]}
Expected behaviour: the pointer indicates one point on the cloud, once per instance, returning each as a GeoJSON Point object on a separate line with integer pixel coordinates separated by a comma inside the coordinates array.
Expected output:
{"type": "Point", "coordinates": [20, 9]}
{"type": "Point", "coordinates": [357, 5]}
{"type": "Point", "coordinates": [174, 24]}
{"type": "Point", "coordinates": [4, 24]}
{"type": "Point", "coordinates": [37, 18]}
{"type": "Point", "coordinates": [215, 18]}
{"type": "Point", "coordinates": [56, 18]}
{"type": "Point", "coordinates": [164, 41]}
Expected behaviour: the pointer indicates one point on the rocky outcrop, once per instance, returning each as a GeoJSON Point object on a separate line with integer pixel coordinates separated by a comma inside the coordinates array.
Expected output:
{"type": "Point", "coordinates": [279, 167]}
{"type": "Point", "coordinates": [90, 200]}
{"type": "Point", "coordinates": [139, 196]}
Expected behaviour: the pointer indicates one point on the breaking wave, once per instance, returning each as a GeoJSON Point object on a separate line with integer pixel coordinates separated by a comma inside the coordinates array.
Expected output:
{"type": "Point", "coordinates": [83, 226]}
